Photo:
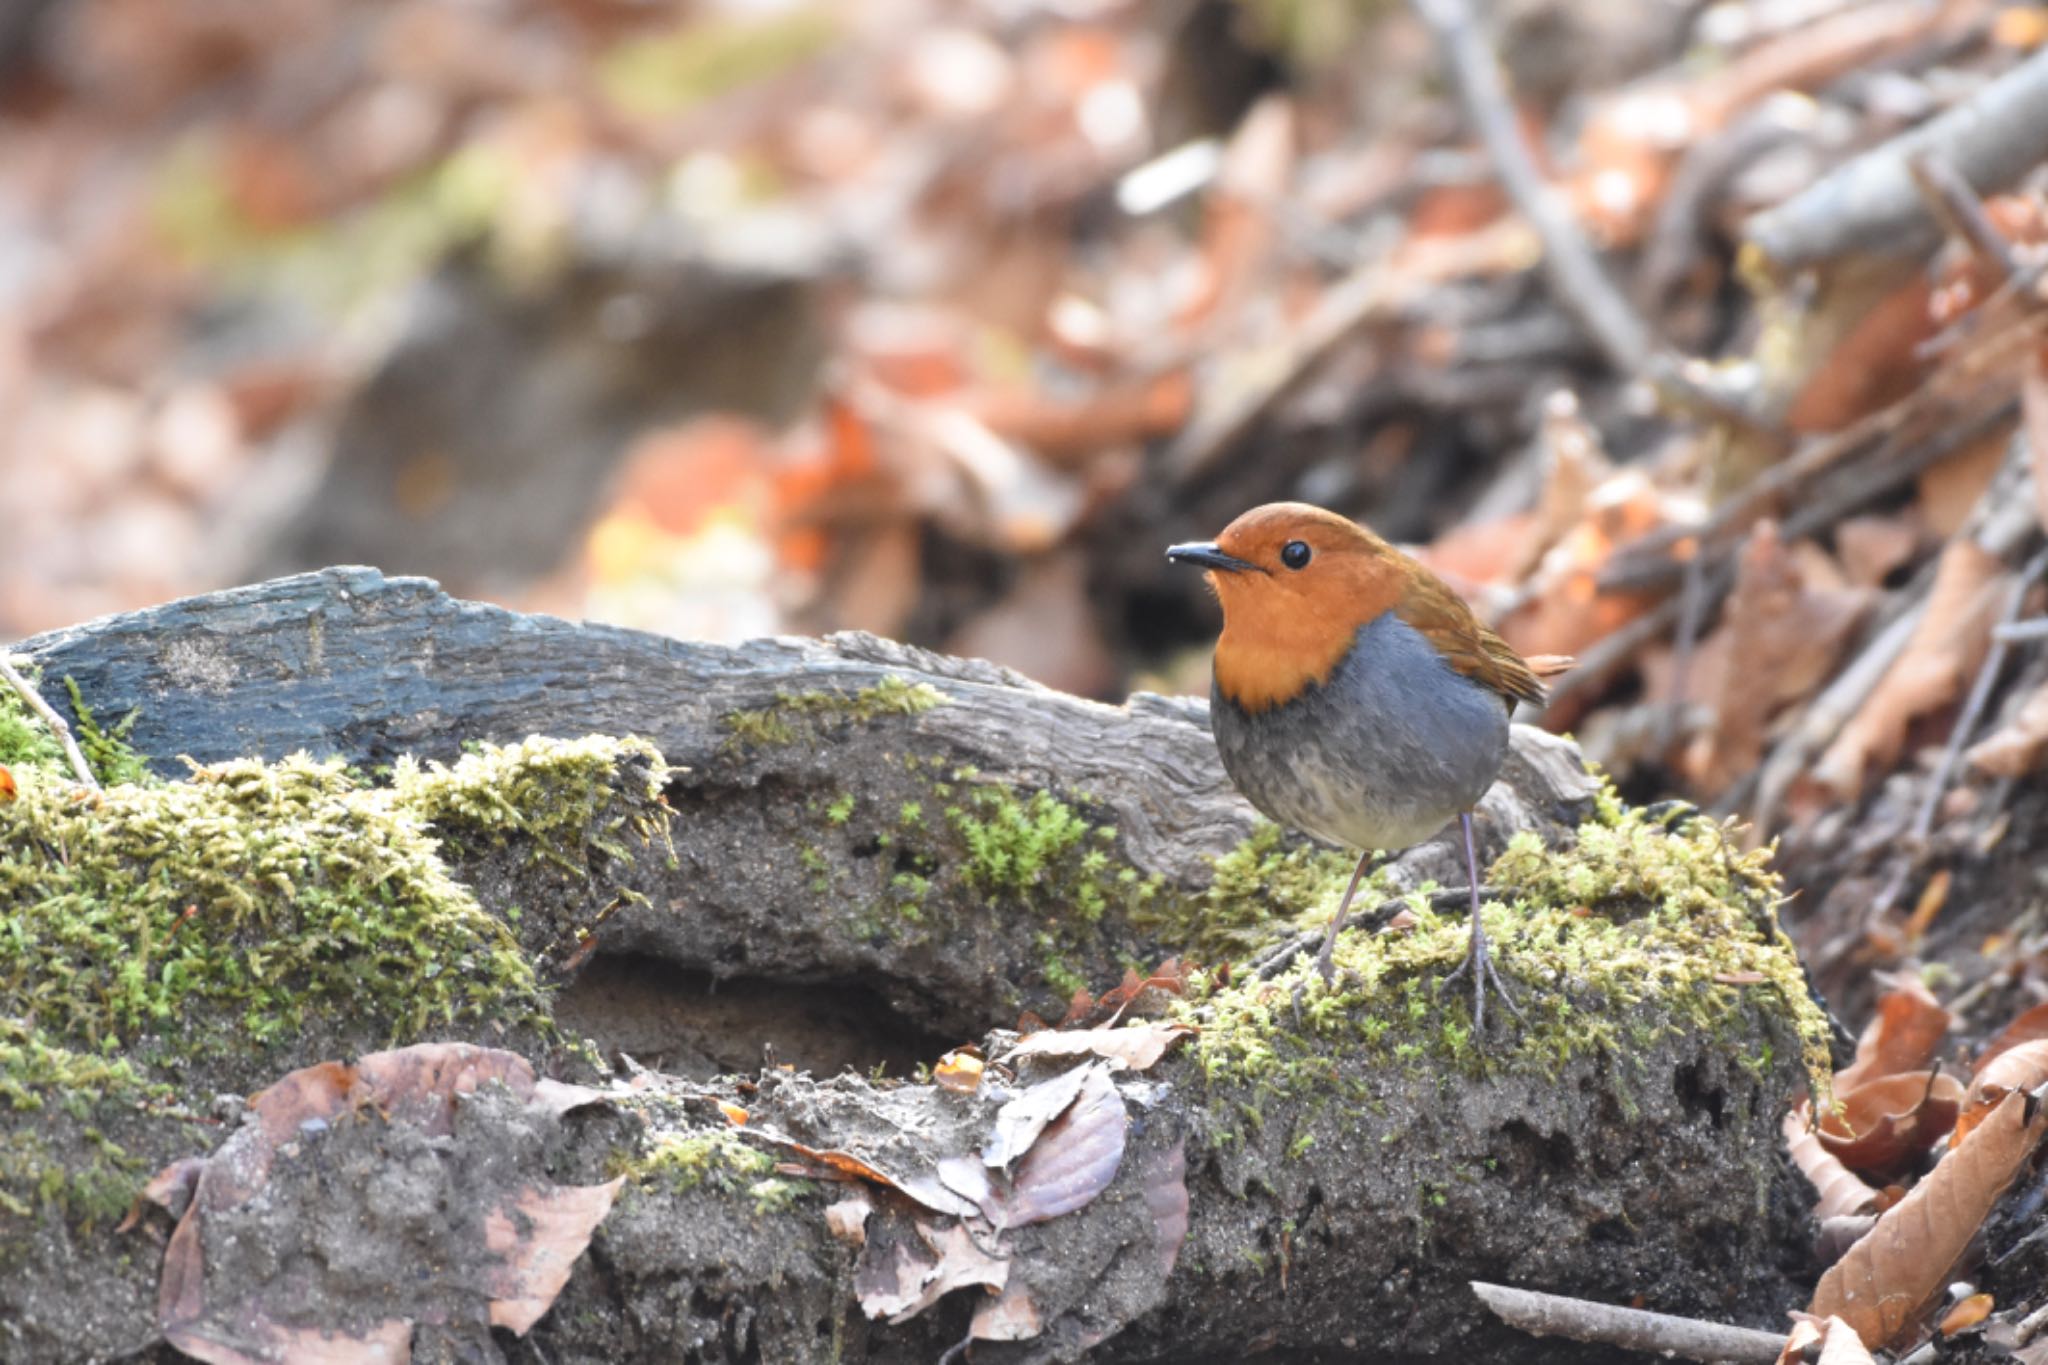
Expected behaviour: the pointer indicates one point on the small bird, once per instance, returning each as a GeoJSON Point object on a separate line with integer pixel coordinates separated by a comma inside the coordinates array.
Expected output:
{"type": "Point", "coordinates": [1355, 695]}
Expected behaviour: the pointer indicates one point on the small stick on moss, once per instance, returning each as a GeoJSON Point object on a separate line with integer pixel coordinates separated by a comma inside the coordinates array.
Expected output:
{"type": "Point", "coordinates": [50, 717]}
{"type": "Point", "coordinates": [1629, 1328]}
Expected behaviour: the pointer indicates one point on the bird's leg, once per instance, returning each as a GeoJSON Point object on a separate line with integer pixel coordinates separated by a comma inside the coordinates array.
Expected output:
{"type": "Point", "coordinates": [1477, 960]}
{"type": "Point", "coordinates": [1324, 966]}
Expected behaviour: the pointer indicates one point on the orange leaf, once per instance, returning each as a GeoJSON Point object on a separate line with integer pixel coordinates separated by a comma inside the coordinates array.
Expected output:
{"type": "Point", "coordinates": [8, 791]}
{"type": "Point", "coordinates": [1842, 1194]}
{"type": "Point", "coordinates": [1967, 1314]}
{"type": "Point", "coordinates": [734, 1115]}
{"type": "Point", "coordinates": [959, 1071]}
{"type": "Point", "coordinates": [1908, 1027]}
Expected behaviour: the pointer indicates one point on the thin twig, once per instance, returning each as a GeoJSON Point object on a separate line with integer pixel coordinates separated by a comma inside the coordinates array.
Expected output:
{"type": "Point", "coordinates": [50, 718]}
{"type": "Point", "coordinates": [1959, 210]}
{"type": "Point", "coordinates": [1629, 1328]}
{"type": "Point", "coordinates": [1581, 287]}
{"type": "Point", "coordinates": [1980, 695]}
{"type": "Point", "coordinates": [2022, 632]}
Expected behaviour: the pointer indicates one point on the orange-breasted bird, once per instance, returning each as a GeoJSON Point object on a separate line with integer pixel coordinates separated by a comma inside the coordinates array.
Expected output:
{"type": "Point", "coordinates": [1355, 695]}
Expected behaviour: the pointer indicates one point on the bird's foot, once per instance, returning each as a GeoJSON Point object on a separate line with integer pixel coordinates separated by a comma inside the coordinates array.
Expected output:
{"type": "Point", "coordinates": [1479, 964]}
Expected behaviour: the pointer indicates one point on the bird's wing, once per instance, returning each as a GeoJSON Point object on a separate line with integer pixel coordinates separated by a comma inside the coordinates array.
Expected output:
{"type": "Point", "coordinates": [1467, 643]}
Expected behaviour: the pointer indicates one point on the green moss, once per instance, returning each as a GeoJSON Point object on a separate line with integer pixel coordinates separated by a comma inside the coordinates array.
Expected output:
{"type": "Point", "coordinates": [1611, 944]}
{"type": "Point", "coordinates": [555, 792]}
{"type": "Point", "coordinates": [841, 810]}
{"type": "Point", "coordinates": [107, 752]}
{"type": "Point", "coordinates": [1263, 881]}
{"type": "Point", "coordinates": [666, 73]}
{"type": "Point", "coordinates": [720, 1161]}
{"type": "Point", "coordinates": [60, 1159]}
{"type": "Point", "coordinates": [25, 742]}
{"type": "Point", "coordinates": [796, 715]}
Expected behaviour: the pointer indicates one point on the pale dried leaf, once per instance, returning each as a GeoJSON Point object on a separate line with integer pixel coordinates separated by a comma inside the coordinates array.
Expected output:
{"type": "Point", "coordinates": [2017, 747]}
{"type": "Point", "coordinates": [961, 1263]}
{"type": "Point", "coordinates": [1888, 1281]}
{"type": "Point", "coordinates": [1839, 1344]}
{"type": "Point", "coordinates": [847, 1219]}
{"type": "Point", "coordinates": [2034, 420]}
{"type": "Point", "coordinates": [537, 1243]}
{"type": "Point", "coordinates": [1012, 1316]}
{"type": "Point", "coordinates": [1138, 1047]}
{"type": "Point", "coordinates": [1024, 1116]}
{"type": "Point", "coordinates": [1841, 1193]}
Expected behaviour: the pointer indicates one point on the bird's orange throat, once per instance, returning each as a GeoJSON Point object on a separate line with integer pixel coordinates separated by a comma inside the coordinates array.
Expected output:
{"type": "Point", "coordinates": [1265, 659]}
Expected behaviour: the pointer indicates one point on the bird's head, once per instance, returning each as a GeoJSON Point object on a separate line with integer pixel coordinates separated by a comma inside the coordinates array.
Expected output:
{"type": "Point", "coordinates": [1296, 583]}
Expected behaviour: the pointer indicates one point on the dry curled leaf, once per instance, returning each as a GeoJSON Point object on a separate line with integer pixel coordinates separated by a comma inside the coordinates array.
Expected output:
{"type": "Point", "coordinates": [1966, 1314]}
{"type": "Point", "coordinates": [1884, 1125]}
{"type": "Point", "coordinates": [1137, 1048]}
{"type": "Point", "coordinates": [1025, 1115]}
{"type": "Point", "coordinates": [2017, 747]}
{"type": "Point", "coordinates": [2030, 1025]}
{"type": "Point", "coordinates": [2020, 1067]}
{"type": "Point", "coordinates": [1893, 1277]}
{"type": "Point", "coordinates": [1011, 1316]}
{"type": "Point", "coordinates": [1842, 1194]}
{"type": "Point", "coordinates": [1909, 1025]}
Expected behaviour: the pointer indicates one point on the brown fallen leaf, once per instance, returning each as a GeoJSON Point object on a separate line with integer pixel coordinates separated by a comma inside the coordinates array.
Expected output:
{"type": "Point", "coordinates": [1938, 662]}
{"type": "Point", "coordinates": [1883, 1125]}
{"type": "Point", "coordinates": [2022, 1066]}
{"type": "Point", "coordinates": [847, 1220]}
{"type": "Point", "coordinates": [2030, 1025]}
{"type": "Point", "coordinates": [1779, 638]}
{"type": "Point", "coordinates": [1893, 1277]}
{"type": "Point", "coordinates": [2017, 747]}
{"type": "Point", "coordinates": [1842, 1193]}
{"type": "Point", "coordinates": [1074, 1159]}
{"type": "Point", "coordinates": [1138, 1047]}
{"type": "Point", "coordinates": [961, 1263]}
{"type": "Point", "coordinates": [1908, 1026]}
{"type": "Point", "coordinates": [535, 1242]}
{"type": "Point", "coordinates": [1163, 1184]}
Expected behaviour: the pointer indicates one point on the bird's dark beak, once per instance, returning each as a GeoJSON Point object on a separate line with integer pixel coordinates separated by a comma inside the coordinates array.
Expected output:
{"type": "Point", "coordinates": [1204, 554]}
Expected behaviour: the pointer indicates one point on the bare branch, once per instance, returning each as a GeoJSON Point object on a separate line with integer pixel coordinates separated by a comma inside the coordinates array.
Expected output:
{"type": "Point", "coordinates": [1630, 1328]}
{"type": "Point", "coordinates": [35, 702]}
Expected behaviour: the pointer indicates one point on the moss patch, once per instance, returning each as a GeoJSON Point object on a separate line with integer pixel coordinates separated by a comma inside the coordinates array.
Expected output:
{"type": "Point", "coordinates": [1633, 933]}
{"type": "Point", "coordinates": [1264, 880]}
{"type": "Point", "coordinates": [797, 714]}
{"type": "Point", "coordinates": [209, 931]}
{"type": "Point", "coordinates": [719, 1161]}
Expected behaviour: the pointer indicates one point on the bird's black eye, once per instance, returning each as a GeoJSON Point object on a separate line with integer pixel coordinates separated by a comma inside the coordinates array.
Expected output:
{"type": "Point", "coordinates": [1294, 554]}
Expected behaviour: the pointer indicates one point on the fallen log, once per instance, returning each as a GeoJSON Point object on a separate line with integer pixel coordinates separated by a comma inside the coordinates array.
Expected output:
{"type": "Point", "coordinates": [857, 854]}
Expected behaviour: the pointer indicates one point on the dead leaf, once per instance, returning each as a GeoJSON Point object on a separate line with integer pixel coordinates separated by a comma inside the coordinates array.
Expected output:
{"type": "Point", "coordinates": [1074, 1159]}
{"type": "Point", "coordinates": [2034, 421]}
{"type": "Point", "coordinates": [2019, 1066]}
{"type": "Point", "coordinates": [961, 1263]}
{"type": "Point", "coordinates": [530, 1242]}
{"type": "Point", "coordinates": [1778, 640]}
{"type": "Point", "coordinates": [537, 1240]}
{"type": "Point", "coordinates": [8, 791]}
{"type": "Point", "coordinates": [1902, 1036]}
{"type": "Point", "coordinates": [1011, 1316]}
{"type": "Point", "coordinates": [2030, 1025]}
{"type": "Point", "coordinates": [1024, 1116]}
{"type": "Point", "coordinates": [1163, 1185]}
{"type": "Point", "coordinates": [1841, 1192]}
{"type": "Point", "coordinates": [1938, 662]}
{"type": "Point", "coordinates": [1839, 1344]}
{"type": "Point", "coordinates": [1888, 1281]}
{"type": "Point", "coordinates": [847, 1220]}
{"type": "Point", "coordinates": [1138, 1047]}
{"type": "Point", "coordinates": [959, 1071]}
{"type": "Point", "coordinates": [1883, 1125]}
{"type": "Point", "coordinates": [2017, 747]}
{"type": "Point", "coordinates": [1871, 549]}
{"type": "Point", "coordinates": [829, 1163]}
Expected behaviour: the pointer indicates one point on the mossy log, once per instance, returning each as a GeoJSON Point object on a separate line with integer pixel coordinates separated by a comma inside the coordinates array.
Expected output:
{"type": "Point", "coordinates": [850, 855]}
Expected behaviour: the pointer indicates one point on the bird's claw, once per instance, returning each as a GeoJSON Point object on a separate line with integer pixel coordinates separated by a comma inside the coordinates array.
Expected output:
{"type": "Point", "coordinates": [1479, 962]}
